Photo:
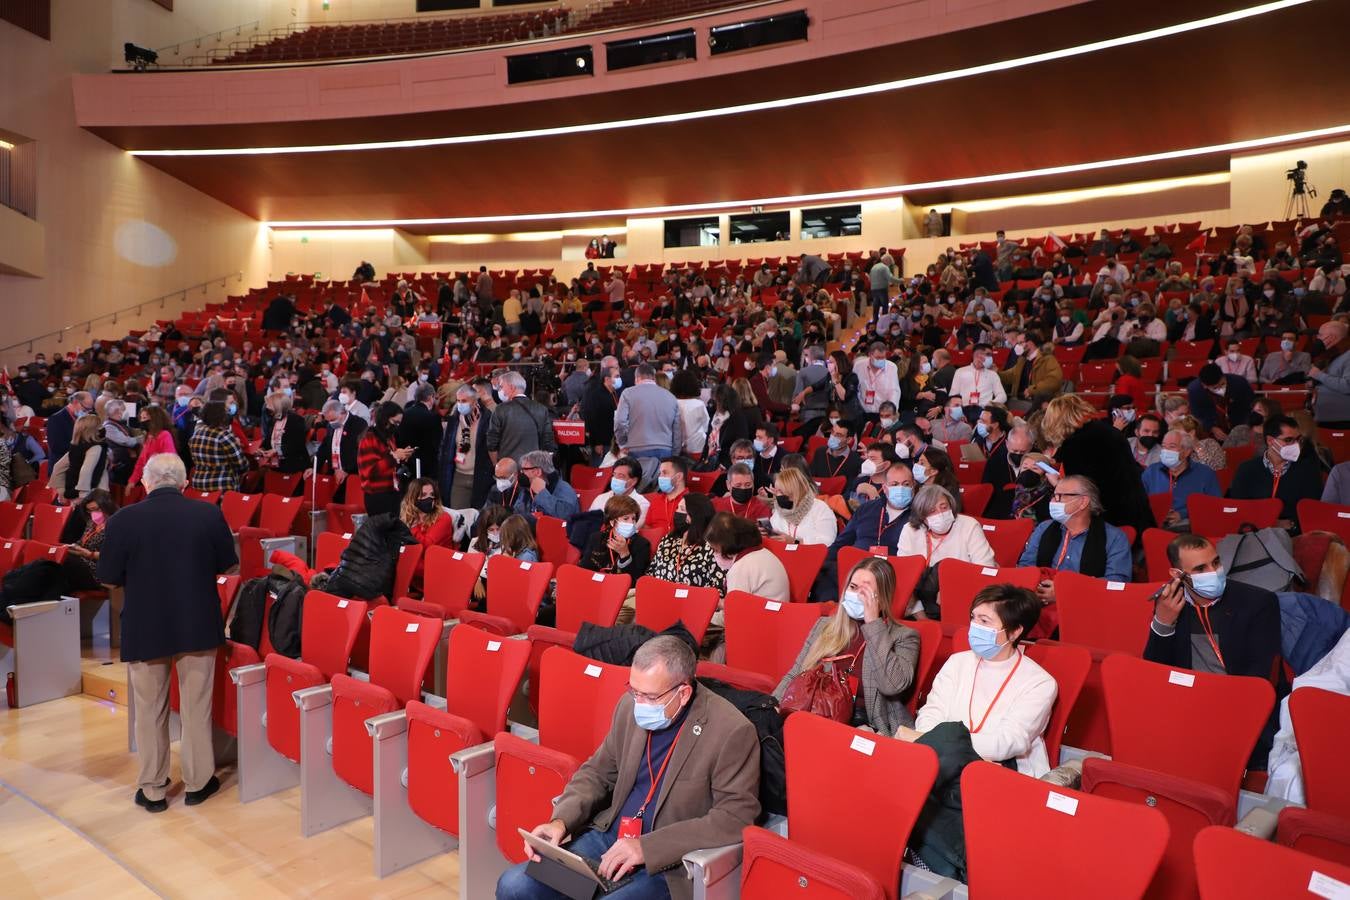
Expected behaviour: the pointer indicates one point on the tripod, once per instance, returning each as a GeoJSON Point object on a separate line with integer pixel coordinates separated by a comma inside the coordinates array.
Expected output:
{"type": "Point", "coordinates": [1297, 204]}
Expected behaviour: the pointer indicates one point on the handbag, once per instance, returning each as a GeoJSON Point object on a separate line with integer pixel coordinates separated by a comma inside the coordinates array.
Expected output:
{"type": "Point", "coordinates": [823, 690]}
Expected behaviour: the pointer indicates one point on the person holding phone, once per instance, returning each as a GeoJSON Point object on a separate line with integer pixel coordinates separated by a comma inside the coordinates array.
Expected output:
{"type": "Point", "coordinates": [378, 459]}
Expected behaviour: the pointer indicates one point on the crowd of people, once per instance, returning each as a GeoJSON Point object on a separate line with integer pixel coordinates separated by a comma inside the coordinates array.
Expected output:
{"type": "Point", "coordinates": [716, 441]}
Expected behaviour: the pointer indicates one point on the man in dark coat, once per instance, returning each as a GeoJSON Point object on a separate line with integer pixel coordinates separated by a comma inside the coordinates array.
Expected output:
{"type": "Point", "coordinates": [421, 429]}
{"type": "Point", "coordinates": [464, 453]}
{"type": "Point", "coordinates": [345, 430]}
{"type": "Point", "coordinates": [599, 403]}
{"type": "Point", "coordinates": [166, 552]}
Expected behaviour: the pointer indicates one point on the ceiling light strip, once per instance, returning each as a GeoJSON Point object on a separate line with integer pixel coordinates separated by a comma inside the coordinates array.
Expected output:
{"type": "Point", "coordinates": [760, 106]}
{"type": "Point", "coordinates": [858, 193]}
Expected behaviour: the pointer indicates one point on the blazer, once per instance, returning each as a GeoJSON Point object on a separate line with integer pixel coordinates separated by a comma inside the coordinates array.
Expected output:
{"type": "Point", "coordinates": [421, 430]}
{"type": "Point", "coordinates": [1248, 622]}
{"type": "Point", "coordinates": [166, 551]}
{"type": "Point", "coordinates": [735, 427]}
{"type": "Point", "coordinates": [709, 794]}
{"type": "Point", "coordinates": [349, 450]}
{"type": "Point", "coordinates": [292, 455]}
{"type": "Point", "coordinates": [1240, 400]}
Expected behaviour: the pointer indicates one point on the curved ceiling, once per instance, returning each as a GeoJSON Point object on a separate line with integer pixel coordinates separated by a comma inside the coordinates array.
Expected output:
{"type": "Point", "coordinates": [1125, 101]}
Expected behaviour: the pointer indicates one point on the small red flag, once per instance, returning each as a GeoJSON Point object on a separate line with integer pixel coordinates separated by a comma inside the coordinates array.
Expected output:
{"type": "Point", "coordinates": [1198, 243]}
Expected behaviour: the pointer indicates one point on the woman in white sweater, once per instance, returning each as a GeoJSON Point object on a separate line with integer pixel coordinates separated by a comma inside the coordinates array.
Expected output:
{"type": "Point", "coordinates": [936, 532]}
{"type": "Point", "coordinates": [1002, 696]}
{"type": "Point", "coordinates": [798, 516]}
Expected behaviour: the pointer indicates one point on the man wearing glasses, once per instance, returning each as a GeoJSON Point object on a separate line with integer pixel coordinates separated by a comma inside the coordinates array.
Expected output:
{"type": "Point", "coordinates": [1287, 470]}
{"type": "Point", "coordinates": [1076, 539]}
{"type": "Point", "coordinates": [678, 771]}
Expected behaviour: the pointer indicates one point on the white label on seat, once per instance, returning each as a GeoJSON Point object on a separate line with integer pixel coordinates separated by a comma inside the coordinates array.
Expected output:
{"type": "Point", "coordinates": [1325, 886]}
{"type": "Point", "coordinates": [789, 547]}
{"type": "Point", "coordinates": [287, 499]}
{"type": "Point", "coordinates": [51, 551]}
{"type": "Point", "coordinates": [220, 579]}
{"type": "Point", "coordinates": [598, 576]}
{"type": "Point", "coordinates": [862, 745]}
{"type": "Point", "coordinates": [1185, 679]}
{"type": "Point", "coordinates": [246, 498]}
{"type": "Point", "coordinates": [343, 604]}
{"type": "Point", "coordinates": [1062, 803]}
{"type": "Point", "coordinates": [412, 626]}
{"type": "Point", "coordinates": [1115, 585]}
{"type": "Point", "coordinates": [494, 646]}
{"type": "Point", "coordinates": [1343, 515]}
{"type": "Point", "coordinates": [346, 535]}
{"type": "Point", "coordinates": [593, 671]}
{"type": "Point", "coordinates": [772, 605]}
{"type": "Point", "coordinates": [9, 545]}
{"type": "Point", "coordinates": [458, 555]}
{"type": "Point", "coordinates": [525, 566]}
{"type": "Point", "coordinates": [989, 527]}
{"type": "Point", "coordinates": [681, 593]}
{"type": "Point", "coordinates": [1230, 509]}
{"type": "Point", "coordinates": [401, 549]}
{"type": "Point", "coordinates": [988, 571]}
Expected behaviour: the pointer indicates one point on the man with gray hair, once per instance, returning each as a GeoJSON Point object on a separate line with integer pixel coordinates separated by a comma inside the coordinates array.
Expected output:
{"type": "Point", "coordinates": [165, 553]}
{"type": "Point", "coordinates": [518, 424]}
{"type": "Point", "coordinates": [647, 421]}
{"type": "Point", "coordinates": [61, 424]}
{"type": "Point", "coordinates": [1077, 538]}
{"type": "Point", "coordinates": [811, 390]}
{"type": "Point", "coordinates": [549, 494]}
{"type": "Point", "coordinates": [421, 429]}
{"type": "Point", "coordinates": [1178, 473]}
{"type": "Point", "coordinates": [678, 771]}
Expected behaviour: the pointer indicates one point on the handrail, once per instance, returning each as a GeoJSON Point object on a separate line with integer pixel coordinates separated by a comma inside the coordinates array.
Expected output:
{"type": "Point", "coordinates": [497, 11]}
{"type": "Point", "coordinates": [88, 324]}
{"type": "Point", "coordinates": [214, 35]}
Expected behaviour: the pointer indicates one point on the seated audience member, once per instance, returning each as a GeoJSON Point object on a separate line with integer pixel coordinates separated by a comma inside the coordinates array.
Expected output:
{"type": "Point", "coordinates": [623, 482]}
{"type": "Point", "coordinates": [1337, 489]}
{"type": "Point", "coordinates": [935, 532]}
{"type": "Point", "coordinates": [1219, 401]}
{"type": "Point", "coordinates": [934, 466]}
{"type": "Point", "coordinates": [952, 425]}
{"type": "Point", "coordinates": [839, 457]}
{"type": "Point", "coordinates": [874, 525]}
{"type": "Point", "coordinates": [910, 441]}
{"type": "Point", "coordinates": [1035, 375]}
{"type": "Point", "coordinates": [670, 478]}
{"type": "Point", "coordinates": [872, 472]}
{"type": "Point", "coordinates": [769, 456]}
{"type": "Point", "coordinates": [1235, 362]}
{"type": "Point", "coordinates": [1176, 473]}
{"type": "Point", "coordinates": [86, 466]}
{"type": "Point", "coordinates": [1147, 440]}
{"type": "Point", "coordinates": [510, 489]}
{"type": "Point", "coordinates": [426, 518]}
{"type": "Point", "coordinates": [750, 566]}
{"type": "Point", "coordinates": [1005, 446]}
{"type": "Point", "coordinates": [798, 516]}
{"type": "Point", "coordinates": [1283, 471]}
{"type": "Point", "coordinates": [1077, 539]}
{"type": "Point", "coordinates": [1207, 450]}
{"type": "Point", "coordinates": [83, 537]}
{"type": "Point", "coordinates": [683, 556]}
{"type": "Point", "coordinates": [1007, 708]}
{"type": "Point", "coordinates": [1286, 365]}
{"type": "Point", "coordinates": [740, 499]}
{"type": "Point", "coordinates": [618, 547]}
{"type": "Point", "coordinates": [865, 626]}
{"type": "Point", "coordinates": [711, 797]}
{"type": "Point", "coordinates": [550, 495]}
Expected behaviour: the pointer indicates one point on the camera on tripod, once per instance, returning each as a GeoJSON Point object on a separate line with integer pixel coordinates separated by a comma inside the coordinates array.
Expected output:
{"type": "Point", "coordinates": [1299, 176]}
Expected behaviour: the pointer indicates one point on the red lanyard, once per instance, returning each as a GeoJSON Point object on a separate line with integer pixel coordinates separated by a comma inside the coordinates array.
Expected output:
{"type": "Point", "coordinates": [882, 524]}
{"type": "Point", "coordinates": [970, 706]}
{"type": "Point", "coordinates": [1275, 487]}
{"type": "Point", "coordinates": [928, 536]}
{"type": "Point", "coordinates": [1064, 551]}
{"type": "Point", "coordinates": [837, 468]}
{"type": "Point", "coordinates": [656, 779]}
{"type": "Point", "coordinates": [1203, 613]}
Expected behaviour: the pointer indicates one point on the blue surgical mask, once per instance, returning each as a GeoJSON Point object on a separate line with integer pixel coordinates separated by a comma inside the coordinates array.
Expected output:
{"type": "Point", "coordinates": [988, 362]}
{"type": "Point", "coordinates": [984, 641]}
{"type": "Point", "coordinates": [1209, 585]}
{"type": "Point", "coordinates": [183, 400]}
{"type": "Point", "coordinates": [664, 484]}
{"type": "Point", "coordinates": [920, 473]}
{"type": "Point", "coordinates": [899, 495]}
{"type": "Point", "coordinates": [463, 408]}
{"type": "Point", "coordinates": [982, 429]}
{"type": "Point", "coordinates": [759, 445]}
{"type": "Point", "coordinates": [1286, 345]}
{"type": "Point", "coordinates": [878, 363]}
{"type": "Point", "coordinates": [232, 408]}
{"type": "Point", "coordinates": [853, 604]}
{"type": "Point", "coordinates": [626, 529]}
{"type": "Point", "coordinates": [651, 716]}
{"type": "Point", "coordinates": [1058, 512]}
{"type": "Point", "coordinates": [1169, 458]}
{"type": "Point", "coordinates": [617, 381]}
{"type": "Point", "coordinates": [288, 391]}
{"type": "Point", "coordinates": [835, 442]}
{"type": "Point", "coordinates": [957, 413]}
{"type": "Point", "coordinates": [618, 485]}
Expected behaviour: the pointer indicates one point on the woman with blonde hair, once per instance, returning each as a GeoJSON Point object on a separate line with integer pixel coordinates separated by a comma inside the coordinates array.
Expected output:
{"type": "Point", "coordinates": [86, 466]}
{"type": "Point", "coordinates": [864, 625]}
{"type": "Point", "coordinates": [1083, 444]}
{"type": "Point", "coordinates": [798, 515]}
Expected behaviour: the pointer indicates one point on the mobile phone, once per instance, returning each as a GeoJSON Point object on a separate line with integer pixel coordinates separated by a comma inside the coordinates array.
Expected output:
{"type": "Point", "coordinates": [1047, 468]}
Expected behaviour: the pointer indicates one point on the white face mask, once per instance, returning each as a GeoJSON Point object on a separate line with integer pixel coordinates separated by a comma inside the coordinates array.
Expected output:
{"type": "Point", "coordinates": [867, 469]}
{"type": "Point", "coordinates": [1290, 452]}
{"type": "Point", "coordinates": [940, 522]}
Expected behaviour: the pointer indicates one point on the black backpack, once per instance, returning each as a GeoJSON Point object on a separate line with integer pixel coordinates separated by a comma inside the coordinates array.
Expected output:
{"type": "Point", "coordinates": [283, 622]}
{"type": "Point", "coordinates": [246, 625]}
{"type": "Point", "coordinates": [762, 711]}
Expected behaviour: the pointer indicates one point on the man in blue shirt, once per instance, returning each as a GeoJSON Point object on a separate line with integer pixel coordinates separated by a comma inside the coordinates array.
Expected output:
{"type": "Point", "coordinates": [876, 523]}
{"type": "Point", "coordinates": [1077, 539]}
{"type": "Point", "coordinates": [1181, 476]}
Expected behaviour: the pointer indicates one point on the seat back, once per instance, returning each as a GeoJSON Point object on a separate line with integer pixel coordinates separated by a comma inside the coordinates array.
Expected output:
{"type": "Point", "coordinates": [585, 477]}
{"type": "Point", "coordinates": [449, 576]}
{"type": "Point", "coordinates": [1321, 729]}
{"type": "Point", "coordinates": [1313, 515]}
{"type": "Point", "coordinates": [975, 497]}
{"type": "Point", "coordinates": [1230, 865]}
{"type": "Point", "coordinates": [908, 570]}
{"type": "Point", "coordinates": [481, 676]}
{"type": "Point", "coordinates": [278, 513]}
{"type": "Point", "coordinates": [585, 596]}
{"type": "Point", "coordinates": [1111, 615]}
{"type": "Point", "coordinates": [702, 482]}
{"type": "Point", "coordinates": [1155, 553]}
{"type": "Point", "coordinates": [1316, 833]}
{"type": "Point", "coordinates": [1007, 537]}
{"type": "Point", "coordinates": [240, 509]}
{"type": "Point", "coordinates": [1069, 666]}
{"type": "Point", "coordinates": [11, 552]}
{"type": "Point", "coordinates": [14, 518]}
{"type": "Point", "coordinates": [1154, 709]}
{"type": "Point", "coordinates": [34, 550]}
{"type": "Point", "coordinates": [551, 533]}
{"type": "Point", "coordinates": [960, 581]}
{"type": "Point", "coordinates": [515, 589]}
{"type": "Point", "coordinates": [281, 484]}
{"type": "Point", "coordinates": [226, 588]}
{"type": "Point", "coordinates": [803, 562]}
{"type": "Point", "coordinates": [576, 701]}
{"type": "Point", "coordinates": [827, 813]}
{"type": "Point", "coordinates": [1215, 517]}
{"type": "Point", "coordinates": [764, 635]}
{"type": "Point", "coordinates": [328, 631]}
{"type": "Point", "coordinates": [328, 548]}
{"type": "Point", "coordinates": [401, 646]}
{"type": "Point", "coordinates": [660, 604]}
{"type": "Point", "coordinates": [340, 516]}
{"type": "Point", "coordinates": [409, 555]}
{"type": "Point", "coordinates": [1104, 848]}
{"type": "Point", "coordinates": [49, 521]}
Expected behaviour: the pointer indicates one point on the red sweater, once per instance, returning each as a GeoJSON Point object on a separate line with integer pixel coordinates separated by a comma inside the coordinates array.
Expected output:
{"type": "Point", "coordinates": [376, 465]}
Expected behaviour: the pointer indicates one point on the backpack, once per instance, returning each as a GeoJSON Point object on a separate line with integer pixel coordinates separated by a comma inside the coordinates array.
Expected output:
{"type": "Point", "coordinates": [283, 621]}
{"type": "Point", "coordinates": [1263, 558]}
{"type": "Point", "coordinates": [762, 711]}
{"type": "Point", "coordinates": [246, 623]}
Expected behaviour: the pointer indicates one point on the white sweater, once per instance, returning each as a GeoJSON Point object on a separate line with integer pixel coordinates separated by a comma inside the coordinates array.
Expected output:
{"type": "Point", "coordinates": [1015, 724]}
{"type": "Point", "coordinates": [818, 526]}
{"type": "Point", "coordinates": [965, 541]}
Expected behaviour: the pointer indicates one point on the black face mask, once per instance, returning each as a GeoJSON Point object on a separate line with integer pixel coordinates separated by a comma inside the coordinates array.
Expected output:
{"type": "Point", "coordinates": [783, 501]}
{"type": "Point", "coordinates": [679, 523]}
{"type": "Point", "coordinates": [742, 495]}
{"type": "Point", "coordinates": [1029, 480]}
{"type": "Point", "coordinates": [425, 504]}
{"type": "Point", "coordinates": [1149, 442]}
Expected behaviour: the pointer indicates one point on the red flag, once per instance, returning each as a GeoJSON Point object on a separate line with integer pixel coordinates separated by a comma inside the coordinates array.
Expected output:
{"type": "Point", "coordinates": [1198, 243]}
{"type": "Point", "coordinates": [1053, 243]}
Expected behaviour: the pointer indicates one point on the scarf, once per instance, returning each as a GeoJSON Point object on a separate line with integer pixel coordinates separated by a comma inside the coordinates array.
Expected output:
{"type": "Point", "coordinates": [798, 512]}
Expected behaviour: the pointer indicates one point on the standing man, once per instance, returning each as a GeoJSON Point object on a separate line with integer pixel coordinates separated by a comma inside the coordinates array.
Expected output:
{"type": "Point", "coordinates": [879, 290]}
{"type": "Point", "coordinates": [1330, 372]}
{"type": "Point", "coordinates": [518, 424]}
{"type": "Point", "coordinates": [878, 380]}
{"type": "Point", "coordinates": [421, 429]}
{"type": "Point", "coordinates": [61, 424]}
{"type": "Point", "coordinates": [166, 553]}
{"type": "Point", "coordinates": [647, 422]}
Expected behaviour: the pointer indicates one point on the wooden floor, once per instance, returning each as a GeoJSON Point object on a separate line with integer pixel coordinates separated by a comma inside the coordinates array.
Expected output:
{"type": "Point", "coordinates": [68, 827]}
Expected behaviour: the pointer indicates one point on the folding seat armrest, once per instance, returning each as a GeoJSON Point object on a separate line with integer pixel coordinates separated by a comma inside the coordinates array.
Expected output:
{"type": "Point", "coordinates": [435, 701]}
{"type": "Point", "coordinates": [1262, 821]}
{"type": "Point", "coordinates": [777, 824]}
{"type": "Point", "coordinates": [707, 867]}
{"type": "Point", "coordinates": [243, 676]}
{"type": "Point", "coordinates": [524, 732]}
{"type": "Point", "coordinates": [387, 725]}
{"type": "Point", "coordinates": [474, 760]}
{"type": "Point", "coordinates": [36, 608]}
{"type": "Point", "coordinates": [1069, 774]}
{"type": "Point", "coordinates": [314, 697]}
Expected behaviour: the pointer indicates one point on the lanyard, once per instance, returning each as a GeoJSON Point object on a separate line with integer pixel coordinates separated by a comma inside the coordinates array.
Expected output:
{"type": "Point", "coordinates": [1064, 551]}
{"type": "Point", "coordinates": [656, 779]}
{"type": "Point", "coordinates": [928, 536]}
{"type": "Point", "coordinates": [882, 524]}
{"type": "Point", "coordinates": [835, 471]}
{"type": "Point", "coordinates": [1275, 486]}
{"type": "Point", "coordinates": [970, 712]}
{"type": "Point", "coordinates": [994, 449]}
{"type": "Point", "coordinates": [1203, 613]}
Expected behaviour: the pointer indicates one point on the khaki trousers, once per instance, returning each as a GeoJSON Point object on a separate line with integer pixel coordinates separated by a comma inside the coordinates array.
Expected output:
{"type": "Point", "coordinates": [150, 690]}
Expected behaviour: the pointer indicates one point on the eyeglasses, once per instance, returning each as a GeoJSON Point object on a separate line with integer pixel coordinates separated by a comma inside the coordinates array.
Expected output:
{"type": "Point", "coordinates": [640, 697]}
{"type": "Point", "coordinates": [1285, 439]}
{"type": "Point", "coordinates": [1060, 498]}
